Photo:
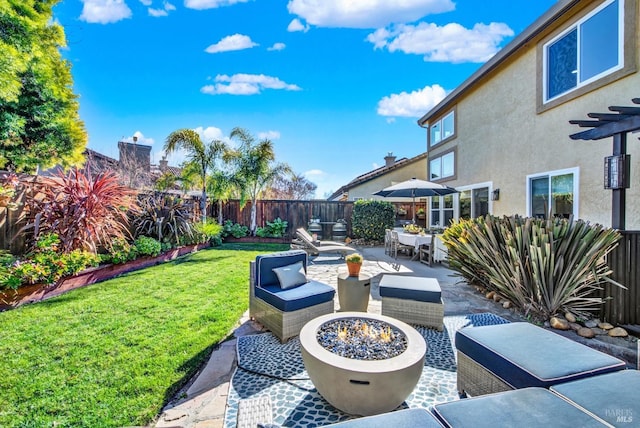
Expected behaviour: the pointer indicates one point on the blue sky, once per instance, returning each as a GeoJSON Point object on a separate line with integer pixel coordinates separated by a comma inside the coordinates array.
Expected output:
{"type": "Point", "coordinates": [335, 84]}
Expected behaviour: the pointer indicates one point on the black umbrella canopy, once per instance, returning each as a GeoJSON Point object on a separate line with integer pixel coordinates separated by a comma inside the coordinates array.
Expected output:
{"type": "Point", "coordinates": [415, 188]}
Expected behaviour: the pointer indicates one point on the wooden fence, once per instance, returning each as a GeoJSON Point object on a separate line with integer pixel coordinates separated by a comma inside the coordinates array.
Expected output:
{"type": "Point", "coordinates": [623, 307]}
{"type": "Point", "coordinates": [296, 213]}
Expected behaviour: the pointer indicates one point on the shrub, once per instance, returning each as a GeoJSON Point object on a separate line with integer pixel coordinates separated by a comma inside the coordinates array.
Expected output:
{"type": "Point", "coordinates": [146, 246]}
{"type": "Point", "coordinates": [234, 229]}
{"type": "Point", "coordinates": [274, 229]}
{"type": "Point", "coordinates": [121, 251]}
{"type": "Point", "coordinates": [210, 229]}
{"type": "Point", "coordinates": [45, 265]}
{"type": "Point", "coordinates": [164, 218]}
{"type": "Point", "coordinates": [544, 266]}
{"type": "Point", "coordinates": [371, 218]}
{"type": "Point", "coordinates": [83, 211]}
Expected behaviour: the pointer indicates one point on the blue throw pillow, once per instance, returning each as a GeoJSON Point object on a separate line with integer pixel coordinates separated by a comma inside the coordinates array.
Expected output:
{"type": "Point", "coordinates": [291, 275]}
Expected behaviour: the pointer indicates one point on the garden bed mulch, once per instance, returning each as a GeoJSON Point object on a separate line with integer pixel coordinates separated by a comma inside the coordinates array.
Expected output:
{"type": "Point", "coordinates": [34, 293]}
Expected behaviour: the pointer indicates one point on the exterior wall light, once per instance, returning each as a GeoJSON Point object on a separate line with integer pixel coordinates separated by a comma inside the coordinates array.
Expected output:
{"type": "Point", "coordinates": [616, 171]}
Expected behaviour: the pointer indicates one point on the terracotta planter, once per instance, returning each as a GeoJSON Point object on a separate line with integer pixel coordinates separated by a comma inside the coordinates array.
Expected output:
{"type": "Point", "coordinates": [354, 268]}
{"type": "Point", "coordinates": [34, 293]}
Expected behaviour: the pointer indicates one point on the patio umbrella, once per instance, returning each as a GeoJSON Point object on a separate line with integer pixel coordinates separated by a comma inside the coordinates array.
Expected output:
{"type": "Point", "coordinates": [415, 188]}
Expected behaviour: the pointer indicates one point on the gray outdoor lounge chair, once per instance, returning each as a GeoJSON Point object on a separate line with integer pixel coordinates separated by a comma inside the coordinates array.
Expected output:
{"type": "Point", "coordinates": [302, 233]}
{"type": "Point", "coordinates": [314, 248]}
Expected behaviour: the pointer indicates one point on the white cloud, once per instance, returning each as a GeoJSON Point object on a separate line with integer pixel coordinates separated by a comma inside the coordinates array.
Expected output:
{"type": "Point", "coordinates": [168, 7]}
{"type": "Point", "coordinates": [375, 165]}
{"type": "Point", "coordinates": [296, 25]}
{"type": "Point", "coordinates": [146, 2]}
{"type": "Point", "coordinates": [414, 104]}
{"type": "Point", "coordinates": [104, 11]}
{"type": "Point", "coordinates": [210, 4]}
{"type": "Point", "coordinates": [235, 42]}
{"type": "Point", "coordinates": [157, 12]}
{"type": "Point", "coordinates": [246, 84]}
{"type": "Point", "coordinates": [314, 173]}
{"type": "Point", "coordinates": [141, 139]}
{"type": "Point", "coordinates": [365, 13]}
{"type": "Point", "coordinates": [269, 135]}
{"type": "Point", "coordinates": [210, 133]}
{"type": "Point", "coordinates": [450, 43]}
{"type": "Point", "coordinates": [277, 47]}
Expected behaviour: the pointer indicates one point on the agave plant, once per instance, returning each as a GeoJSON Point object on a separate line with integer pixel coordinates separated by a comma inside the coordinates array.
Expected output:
{"type": "Point", "coordinates": [84, 212]}
{"type": "Point", "coordinates": [547, 266]}
{"type": "Point", "coordinates": [164, 218]}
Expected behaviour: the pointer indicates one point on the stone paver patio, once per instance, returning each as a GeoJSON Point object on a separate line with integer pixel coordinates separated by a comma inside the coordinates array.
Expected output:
{"type": "Point", "coordinates": [202, 403]}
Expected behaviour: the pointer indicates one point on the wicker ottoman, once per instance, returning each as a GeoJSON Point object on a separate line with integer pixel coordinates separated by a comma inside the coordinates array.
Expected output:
{"type": "Point", "coordinates": [519, 355]}
{"type": "Point", "coordinates": [528, 407]}
{"type": "Point", "coordinates": [412, 299]}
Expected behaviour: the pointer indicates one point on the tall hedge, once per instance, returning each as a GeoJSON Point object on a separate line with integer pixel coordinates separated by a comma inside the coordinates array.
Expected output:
{"type": "Point", "coordinates": [371, 218]}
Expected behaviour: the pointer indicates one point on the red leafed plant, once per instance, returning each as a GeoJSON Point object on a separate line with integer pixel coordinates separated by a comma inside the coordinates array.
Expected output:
{"type": "Point", "coordinates": [85, 212]}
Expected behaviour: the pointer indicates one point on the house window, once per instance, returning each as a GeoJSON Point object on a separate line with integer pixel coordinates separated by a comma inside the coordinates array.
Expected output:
{"type": "Point", "coordinates": [473, 202]}
{"type": "Point", "coordinates": [553, 194]}
{"type": "Point", "coordinates": [441, 212]}
{"type": "Point", "coordinates": [442, 166]}
{"type": "Point", "coordinates": [585, 52]}
{"type": "Point", "coordinates": [442, 129]}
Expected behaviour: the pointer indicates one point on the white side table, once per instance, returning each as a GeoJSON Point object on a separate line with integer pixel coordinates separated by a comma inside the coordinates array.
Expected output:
{"type": "Point", "coordinates": [353, 292]}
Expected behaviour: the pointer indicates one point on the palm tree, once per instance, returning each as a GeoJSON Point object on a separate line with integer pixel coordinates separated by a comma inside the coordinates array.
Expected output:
{"type": "Point", "coordinates": [255, 168]}
{"type": "Point", "coordinates": [200, 155]}
{"type": "Point", "coordinates": [220, 187]}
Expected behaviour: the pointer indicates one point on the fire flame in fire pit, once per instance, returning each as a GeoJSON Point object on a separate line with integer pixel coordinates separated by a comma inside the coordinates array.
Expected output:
{"type": "Point", "coordinates": [362, 339]}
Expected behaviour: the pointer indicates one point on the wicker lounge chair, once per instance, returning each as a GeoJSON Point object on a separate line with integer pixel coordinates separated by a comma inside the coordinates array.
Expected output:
{"type": "Point", "coordinates": [285, 309]}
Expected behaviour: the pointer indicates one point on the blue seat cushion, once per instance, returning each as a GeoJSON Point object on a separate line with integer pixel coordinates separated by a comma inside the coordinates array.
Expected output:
{"type": "Point", "coordinates": [292, 299]}
{"type": "Point", "coordinates": [529, 407]}
{"type": "Point", "coordinates": [407, 418]}
{"type": "Point", "coordinates": [411, 288]}
{"type": "Point", "coordinates": [524, 355]}
{"type": "Point", "coordinates": [265, 263]}
{"type": "Point", "coordinates": [612, 397]}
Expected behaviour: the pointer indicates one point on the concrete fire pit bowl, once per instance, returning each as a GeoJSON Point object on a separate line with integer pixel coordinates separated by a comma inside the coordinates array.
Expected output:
{"type": "Point", "coordinates": [362, 387]}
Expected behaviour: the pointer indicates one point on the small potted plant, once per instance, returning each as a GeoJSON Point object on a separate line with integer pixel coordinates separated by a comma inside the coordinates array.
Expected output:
{"type": "Point", "coordinates": [420, 213]}
{"type": "Point", "coordinates": [354, 263]}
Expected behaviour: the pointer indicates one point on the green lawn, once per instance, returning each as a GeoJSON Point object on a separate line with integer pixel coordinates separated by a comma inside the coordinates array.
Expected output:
{"type": "Point", "coordinates": [112, 354]}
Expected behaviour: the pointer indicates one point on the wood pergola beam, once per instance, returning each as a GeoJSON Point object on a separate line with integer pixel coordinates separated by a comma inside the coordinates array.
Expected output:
{"type": "Point", "coordinates": [609, 129]}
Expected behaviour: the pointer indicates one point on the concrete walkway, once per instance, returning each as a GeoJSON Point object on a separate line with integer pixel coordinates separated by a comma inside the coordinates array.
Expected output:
{"type": "Point", "coordinates": [201, 404]}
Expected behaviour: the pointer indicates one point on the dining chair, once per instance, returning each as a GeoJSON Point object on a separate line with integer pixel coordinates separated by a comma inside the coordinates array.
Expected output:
{"type": "Point", "coordinates": [387, 241]}
{"type": "Point", "coordinates": [426, 252]}
{"type": "Point", "coordinates": [396, 246]}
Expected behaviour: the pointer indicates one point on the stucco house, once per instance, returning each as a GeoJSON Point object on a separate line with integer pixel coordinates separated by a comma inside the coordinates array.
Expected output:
{"type": "Point", "coordinates": [502, 136]}
{"type": "Point", "coordinates": [394, 171]}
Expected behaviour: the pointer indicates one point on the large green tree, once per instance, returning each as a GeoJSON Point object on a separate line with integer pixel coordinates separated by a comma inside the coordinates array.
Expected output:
{"type": "Point", "coordinates": [201, 157]}
{"type": "Point", "coordinates": [39, 121]}
{"type": "Point", "coordinates": [254, 168]}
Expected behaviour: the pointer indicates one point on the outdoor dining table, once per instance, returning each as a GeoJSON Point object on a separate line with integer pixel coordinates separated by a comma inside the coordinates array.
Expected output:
{"type": "Point", "coordinates": [415, 240]}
